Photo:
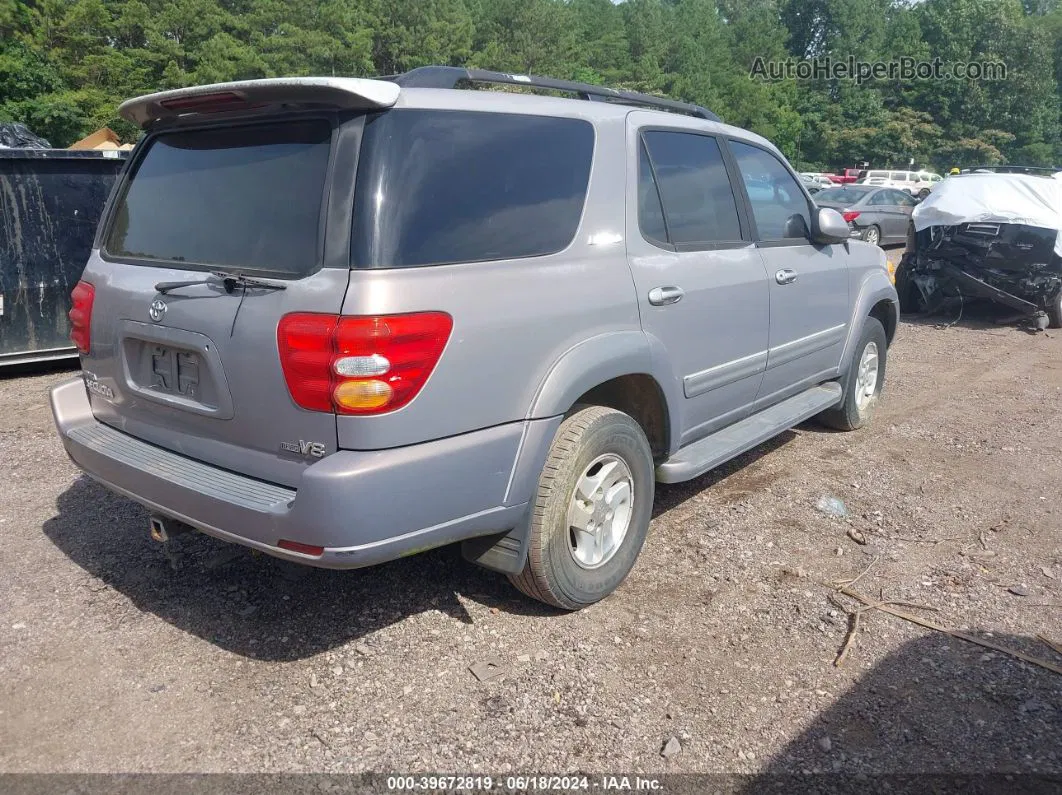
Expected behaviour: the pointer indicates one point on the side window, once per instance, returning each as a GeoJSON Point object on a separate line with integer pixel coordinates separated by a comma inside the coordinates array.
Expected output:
{"type": "Point", "coordinates": [436, 187]}
{"type": "Point", "coordinates": [905, 199]}
{"type": "Point", "coordinates": [698, 200]}
{"type": "Point", "coordinates": [880, 198]}
{"type": "Point", "coordinates": [773, 193]}
{"type": "Point", "coordinates": [650, 213]}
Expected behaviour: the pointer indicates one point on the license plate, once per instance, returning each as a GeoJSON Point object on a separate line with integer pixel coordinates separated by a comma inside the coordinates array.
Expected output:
{"type": "Point", "coordinates": [174, 371]}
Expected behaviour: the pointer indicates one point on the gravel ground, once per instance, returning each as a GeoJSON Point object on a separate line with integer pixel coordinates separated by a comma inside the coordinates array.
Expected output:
{"type": "Point", "coordinates": [115, 656]}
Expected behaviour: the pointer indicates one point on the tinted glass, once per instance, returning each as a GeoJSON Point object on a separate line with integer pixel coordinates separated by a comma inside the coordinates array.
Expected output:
{"type": "Point", "coordinates": [695, 188]}
{"type": "Point", "coordinates": [650, 214]}
{"type": "Point", "coordinates": [437, 187]}
{"type": "Point", "coordinates": [241, 197]}
{"type": "Point", "coordinates": [882, 198]}
{"type": "Point", "coordinates": [773, 193]}
{"type": "Point", "coordinates": [904, 199]}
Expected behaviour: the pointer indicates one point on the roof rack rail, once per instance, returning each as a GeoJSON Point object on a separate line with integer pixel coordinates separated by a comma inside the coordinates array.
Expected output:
{"type": "Point", "coordinates": [451, 76]}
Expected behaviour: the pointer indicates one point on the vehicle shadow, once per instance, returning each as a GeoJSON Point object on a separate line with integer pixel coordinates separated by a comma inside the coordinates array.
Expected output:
{"type": "Point", "coordinates": [255, 605]}
{"type": "Point", "coordinates": [980, 720]}
{"type": "Point", "coordinates": [973, 314]}
{"type": "Point", "coordinates": [264, 608]}
{"type": "Point", "coordinates": [673, 495]}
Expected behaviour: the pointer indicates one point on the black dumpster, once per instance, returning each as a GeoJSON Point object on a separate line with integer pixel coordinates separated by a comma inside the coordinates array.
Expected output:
{"type": "Point", "coordinates": [50, 202]}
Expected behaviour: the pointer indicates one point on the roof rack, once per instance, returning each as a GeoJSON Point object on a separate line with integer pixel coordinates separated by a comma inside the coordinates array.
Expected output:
{"type": "Point", "coordinates": [452, 76]}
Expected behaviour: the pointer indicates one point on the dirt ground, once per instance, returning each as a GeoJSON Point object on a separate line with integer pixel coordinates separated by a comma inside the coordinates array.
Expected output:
{"type": "Point", "coordinates": [115, 657]}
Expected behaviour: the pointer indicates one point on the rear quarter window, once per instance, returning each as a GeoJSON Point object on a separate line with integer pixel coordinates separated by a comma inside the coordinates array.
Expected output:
{"type": "Point", "coordinates": [437, 187]}
{"type": "Point", "coordinates": [246, 198]}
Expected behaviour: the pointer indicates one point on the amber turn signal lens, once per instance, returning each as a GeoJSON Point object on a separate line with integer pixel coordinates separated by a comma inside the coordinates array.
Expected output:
{"type": "Point", "coordinates": [362, 395]}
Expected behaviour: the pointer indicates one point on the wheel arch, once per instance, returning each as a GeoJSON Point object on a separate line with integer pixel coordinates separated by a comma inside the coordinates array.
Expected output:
{"type": "Point", "coordinates": [875, 298]}
{"type": "Point", "coordinates": [887, 313]}
{"type": "Point", "coordinates": [625, 370]}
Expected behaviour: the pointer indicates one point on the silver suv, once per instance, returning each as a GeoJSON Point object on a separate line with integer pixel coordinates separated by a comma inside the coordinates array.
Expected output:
{"type": "Point", "coordinates": [345, 320]}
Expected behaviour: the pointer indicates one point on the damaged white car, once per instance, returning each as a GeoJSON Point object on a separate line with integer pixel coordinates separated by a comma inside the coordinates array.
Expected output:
{"type": "Point", "coordinates": [991, 236]}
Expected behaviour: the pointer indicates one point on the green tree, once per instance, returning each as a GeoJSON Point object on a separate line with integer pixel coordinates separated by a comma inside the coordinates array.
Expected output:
{"type": "Point", "coordinates": [65, 65]}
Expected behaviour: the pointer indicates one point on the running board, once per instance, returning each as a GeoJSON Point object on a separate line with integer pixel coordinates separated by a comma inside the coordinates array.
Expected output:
{"type": "Point", "coordinates": [697, 458]}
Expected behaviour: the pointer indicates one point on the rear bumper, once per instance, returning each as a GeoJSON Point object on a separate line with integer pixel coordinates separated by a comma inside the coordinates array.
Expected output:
{"type": "Point", "coordinates": [362, 507]}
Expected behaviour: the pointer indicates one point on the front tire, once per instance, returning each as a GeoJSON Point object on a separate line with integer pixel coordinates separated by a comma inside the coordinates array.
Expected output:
{"type": "Point", "coordinates": [863, 383]}
{"type": "Point", "coordinates": [591, 513]}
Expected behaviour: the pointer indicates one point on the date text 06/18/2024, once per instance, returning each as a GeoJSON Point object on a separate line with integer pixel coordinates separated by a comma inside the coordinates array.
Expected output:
{"type": "Point", "coordinates": [517, 783]}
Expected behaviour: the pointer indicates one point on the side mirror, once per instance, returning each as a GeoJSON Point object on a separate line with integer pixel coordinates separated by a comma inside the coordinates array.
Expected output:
{"type": "Point", "coordinates": [830, 226]}
{"type": "Point", "coordinates": [796, 227]}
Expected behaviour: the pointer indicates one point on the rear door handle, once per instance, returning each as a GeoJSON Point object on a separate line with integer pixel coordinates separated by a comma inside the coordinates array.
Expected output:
{"type": "Point", "coordinates": [661, 296]}
{"type": "Point", "coordinates": [785, 276]}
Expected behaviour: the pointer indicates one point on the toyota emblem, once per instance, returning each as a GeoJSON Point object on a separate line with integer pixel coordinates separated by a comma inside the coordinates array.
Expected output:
{"type": "Point", "coordinates": [157, 309]}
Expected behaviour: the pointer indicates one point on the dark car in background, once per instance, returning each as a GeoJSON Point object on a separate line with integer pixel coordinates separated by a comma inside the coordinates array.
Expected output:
{"type": "Point", "coordinates": [874, 214]}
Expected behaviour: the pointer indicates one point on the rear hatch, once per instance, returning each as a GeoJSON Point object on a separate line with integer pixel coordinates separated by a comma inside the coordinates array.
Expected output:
{"type": "Point", "coordinates": [183, 357]}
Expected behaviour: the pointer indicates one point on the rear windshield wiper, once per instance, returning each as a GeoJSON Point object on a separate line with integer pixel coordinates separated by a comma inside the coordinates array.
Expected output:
{"type": "Point", "coordinates": [230, 281]}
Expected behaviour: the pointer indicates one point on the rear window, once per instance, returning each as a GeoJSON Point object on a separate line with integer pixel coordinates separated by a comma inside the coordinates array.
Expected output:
{"type": "Point", "coordinates": [844, 194]}
{"type": "Point", "coordinates": [246, 198]}
{"type": "Point", "coordinates": [439, 186]}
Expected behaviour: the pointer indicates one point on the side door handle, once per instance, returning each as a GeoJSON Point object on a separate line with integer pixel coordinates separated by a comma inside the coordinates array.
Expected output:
{"type": "Point", "coordinates": [661, 296]}
{"type": "Point", "coordinates": [785, 276]}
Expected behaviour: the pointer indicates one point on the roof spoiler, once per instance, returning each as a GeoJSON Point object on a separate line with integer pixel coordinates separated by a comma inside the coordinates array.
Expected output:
{"type": "Point", "coordinates": [346, 93]}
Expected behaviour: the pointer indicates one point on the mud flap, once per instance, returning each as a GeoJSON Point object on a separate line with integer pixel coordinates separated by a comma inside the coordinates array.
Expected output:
{"type": "Point", "coordinates": [502, 552]}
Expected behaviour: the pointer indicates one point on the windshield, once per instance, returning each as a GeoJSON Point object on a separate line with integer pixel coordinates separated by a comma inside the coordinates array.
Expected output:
{"type": "Point", "coordinates": [848, 193]}
{"type": "Point", "coordinates": [245, 198]}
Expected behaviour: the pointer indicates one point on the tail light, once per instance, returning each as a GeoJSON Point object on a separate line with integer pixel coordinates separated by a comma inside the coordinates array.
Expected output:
{"type": "Point", "coordinates": [850, 216]}
{"type": "Point", "coordinates": [359, 365]}
{"type": "Point", "coordinates": [80, 315]}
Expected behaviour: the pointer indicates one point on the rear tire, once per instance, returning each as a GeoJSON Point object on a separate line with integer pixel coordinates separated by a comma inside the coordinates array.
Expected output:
{"type": "Point", "coordinates": [605, 452]}
{"type": "Point", "coordinates": [872, 235]}
{"type": "Point", "coordinates": [863, 382]}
